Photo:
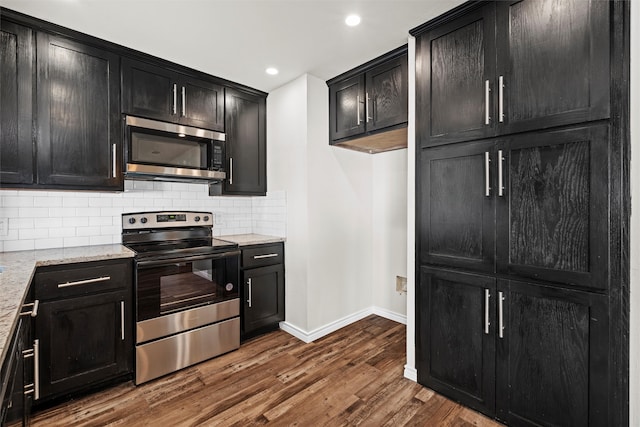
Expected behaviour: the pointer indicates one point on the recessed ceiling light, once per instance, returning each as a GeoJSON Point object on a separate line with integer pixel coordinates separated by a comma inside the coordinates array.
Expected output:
{"type": "Point", "coordinates": [271, 71]}
{"type": "Point", "coordinates": [352, 20]}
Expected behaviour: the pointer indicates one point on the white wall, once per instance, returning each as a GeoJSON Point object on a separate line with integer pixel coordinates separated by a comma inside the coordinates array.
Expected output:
{"type": "Point", "coordinates": [634, 356]}
{"type": "Point", "coordinates": [56, 219]}
{"type": "Point", "coordinates": [334, 238]}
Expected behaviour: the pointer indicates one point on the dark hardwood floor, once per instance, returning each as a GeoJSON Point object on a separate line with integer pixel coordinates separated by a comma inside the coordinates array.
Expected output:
{"type": "Point", "coordinates": [351, 377]}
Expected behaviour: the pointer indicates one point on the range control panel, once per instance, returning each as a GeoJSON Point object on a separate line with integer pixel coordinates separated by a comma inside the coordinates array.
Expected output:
{"type": "Point", "coordinates": [140, 220]}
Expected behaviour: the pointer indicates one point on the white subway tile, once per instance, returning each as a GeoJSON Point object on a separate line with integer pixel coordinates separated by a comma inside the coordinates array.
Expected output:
{"type": "Point", "coordinates": [87, 231]}
{"type": "Point", "coordinates": [1, 246]}
{"type": "Point", "coordinates": [17, 201]}
{"type": "Point", "coordinates": [11, 235]}
{"type": "Point", "coordinates": [128, 184]}
{"type": "Point", "coordinates": [48, 223]}
{"type": "Point", "coordinates": [18, 245]}
{"type": "Point", "coordinates": [100, 220]}
{"type": "Point", "coordinates": [7, 212]}
{"type": "Point", "coordinates": [62, 232]}
{"type": "Point", "coordinates": [100, 240]}
{"type": "Point", "coordinates": [47, 202]}
{"type": "Point", "coordinates": [115, 211]}
{"type": "Point", "coordinates": [62, 212]}
{"type": "Point", "coordinates": [21, 223]}
{"type": "Point", "coordinates": [100, 202]}
{"type": "Point", "coordinates": [123, 202]}
{"type": "Point", "coordinates": [76, 241]}
{"type": "Point", "coordinates": [143, 185]}
{"type": "Point", "coordinates": [34, 212]}
{"type": "Point", "coordinates": [88, 212]}
{"type": "Point", "coordinates": [75, 202]}
{"type": "Point", "coordinates": [75, 221]}
{"type": "Point", "coordinates": [49, 243]}
{"type": "Point", "coordinates": [110, 230]}
{"type": "Point", "coordinates": [4, 192]}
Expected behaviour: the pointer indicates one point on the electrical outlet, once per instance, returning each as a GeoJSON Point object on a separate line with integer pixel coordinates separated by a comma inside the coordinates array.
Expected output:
{"type": "Point", "coordinates": [401, 284]}
{"type": "Point", "coordinates": [4, 226]}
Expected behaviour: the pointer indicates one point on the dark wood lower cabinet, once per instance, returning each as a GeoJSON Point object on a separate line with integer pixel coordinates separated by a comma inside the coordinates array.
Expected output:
{"type": "Point", "coordinates": [264, 298]}
{"type": "Point", "coordinates": [528, 354]}
{"type": "Point", "coordinates": [17, 378]}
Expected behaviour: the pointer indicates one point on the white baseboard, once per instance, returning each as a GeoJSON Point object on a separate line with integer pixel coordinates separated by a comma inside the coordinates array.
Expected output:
{"type": "Point", "coordinates": [340, 323]}
{"type": "Point", "coordinates": [411, 373]}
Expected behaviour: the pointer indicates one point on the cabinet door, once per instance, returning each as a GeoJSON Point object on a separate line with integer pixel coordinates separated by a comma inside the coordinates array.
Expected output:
{"type": "Point", "coordinates": [83, 341]}
{"type": "Point", "coordinates": [456, 336]}
{"type": "Point", "coordinates": [346, 108]}
{"type": "Point", "coordinates": [263, 297]}
{"type": "Point", "coordinates": [79, 133]}
{"type": "Point", "coordinates": [455, 69]}
{"type": "Point", "coordinates": [386, 94]}
{"type": "Point", "coordinates": [16, 108]}
{"type": "Point", "coordinates": [554, 61]}
{"type": "Point", "coordinates": [552, 220]}
{"type": "Point", "coordinates": [552, 365]}
{"type": "Point", "coordinates": [246, 144]}
{"type": "Point", "coordinates": [457, 206]}
{"type": "Point", "coordinates": [202, 104]}
{"type": "Point", "coordinates": [149, 91]}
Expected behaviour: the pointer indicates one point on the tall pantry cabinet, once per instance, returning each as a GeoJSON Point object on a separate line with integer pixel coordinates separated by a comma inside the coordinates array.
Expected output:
{"type": "Point", "coordinates": [518, 144]}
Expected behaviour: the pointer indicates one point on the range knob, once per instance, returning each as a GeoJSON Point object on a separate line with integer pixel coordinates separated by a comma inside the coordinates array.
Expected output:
{"type": "Point", "coordinates": [206, 218]}
{"type": "Point", "coordinates": [196, 219]}
{"type": "Point", "coordinates": [143, 220]}
{"type": "Point", "coordinates": [132, 220]}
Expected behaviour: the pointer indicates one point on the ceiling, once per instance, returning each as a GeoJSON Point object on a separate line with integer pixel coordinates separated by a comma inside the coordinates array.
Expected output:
{"type": "Point", "coordinates": [238, 39]}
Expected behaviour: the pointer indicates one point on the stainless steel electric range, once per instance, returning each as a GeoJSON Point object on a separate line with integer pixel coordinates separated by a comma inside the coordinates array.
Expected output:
{"type": "Point", "coordinates": [186, 291]}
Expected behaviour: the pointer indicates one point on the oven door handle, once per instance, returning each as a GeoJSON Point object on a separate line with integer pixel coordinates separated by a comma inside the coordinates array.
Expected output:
{"type": "Point", "coordinates": [153, 263]}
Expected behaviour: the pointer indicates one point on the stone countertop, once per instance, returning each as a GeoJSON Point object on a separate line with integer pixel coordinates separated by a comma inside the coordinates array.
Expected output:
{"type": "Point", "coordinates": [17, 272]}
{"type": "Point", "coordinates": [251, 239]}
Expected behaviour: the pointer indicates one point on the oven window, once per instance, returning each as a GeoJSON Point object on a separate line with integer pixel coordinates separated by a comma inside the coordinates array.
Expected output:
{"type": "Point", "coordinates": [168, 151]}
{"type": "Point", "coordinates": [180, 286]}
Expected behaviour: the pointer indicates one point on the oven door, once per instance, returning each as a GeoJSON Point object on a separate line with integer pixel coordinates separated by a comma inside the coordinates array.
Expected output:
{"type": "Point", "coordinates": [167, 286]}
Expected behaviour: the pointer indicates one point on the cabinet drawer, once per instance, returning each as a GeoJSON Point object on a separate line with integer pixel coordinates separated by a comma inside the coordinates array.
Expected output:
{"type": "Point", "coordinates": [78, 279]}
{"type": "Point", "coordinates": [263, 255]}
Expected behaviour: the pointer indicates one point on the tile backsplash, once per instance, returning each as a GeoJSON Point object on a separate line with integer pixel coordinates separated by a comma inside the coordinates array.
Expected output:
{"type": "Point", "coordinates": [56, 219]}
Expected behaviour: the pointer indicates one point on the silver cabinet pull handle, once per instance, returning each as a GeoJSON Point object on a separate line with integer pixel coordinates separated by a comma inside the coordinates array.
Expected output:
{"type": "Point", "coordinates": [36, 369]}
{"type": "Point", "coordinates": [230, 170]}
{"type": "Point", "coordinates": [487, 188]}
{"type": "Point", "coordinates": [249, 300]}
{"type": "Point", "coordinates": [122, 320]}
{"type": "Point", "coordinates": [29, 388]}
{"type": "Point", "coordinates": [501, 99]}
{"type": "Point", "coordinates": [174, 110]}
{"type": "Point", "coordinates": [84, 282]}
{"type": "Point", "coordinates": [358, 109]}
{"type": "Point", "coordinates": [367, 108]}
{"type": "Point", "coordinates": [184, 101]}
{"type": "Point", "coordinates": [487, 90]}
{"type": "Point", "coordinates": [487, 295]}
{"type": "Point", "coordinates": [265, 256]}
{"type": "Point", "coordinates": [500, 315]}
{"type": "Point", "coordinates": [114, 154]}
{"type": "Point", "coordinates": [500, 182]}
{"type": "Point", "coordinates": [34, 309]}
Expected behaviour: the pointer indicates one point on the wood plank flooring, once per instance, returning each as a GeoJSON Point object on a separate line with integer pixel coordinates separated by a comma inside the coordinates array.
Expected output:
{"type": "Point", "coordinates": [351, 377]}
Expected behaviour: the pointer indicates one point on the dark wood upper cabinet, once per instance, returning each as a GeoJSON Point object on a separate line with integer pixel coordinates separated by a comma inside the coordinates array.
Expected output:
{"type": "Point", "coordinates": [513, 66]}
{"type": "Point", "coordinates": [368, 100]}
{"type": "Point", "coordinates": [79, 139]}
{"type": "Point", "coordinates": [457, 341]}
{"type": "Point", "coordinates": [457, 201]}
{"type": "Point", "coordinates": [552, 364]}
{"type": "Point", "coordinates": [552, 215]}
{"type": "Point", "coordinates": [246, 145]}
{"type": "Point", "coordinates": [155, 92]}
{"type": "Point", "coordinates": [456, 66]}
{"type": "Point", "coordinates": [553, 61]}
{"type": "Point", "coordinates": [16, 109]}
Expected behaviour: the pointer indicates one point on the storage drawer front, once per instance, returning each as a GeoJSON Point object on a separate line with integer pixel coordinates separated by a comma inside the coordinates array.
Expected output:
{"type": "Point", "coordinates": [80, 279]}
{"type": "Point", "coordinates": [263, 255]}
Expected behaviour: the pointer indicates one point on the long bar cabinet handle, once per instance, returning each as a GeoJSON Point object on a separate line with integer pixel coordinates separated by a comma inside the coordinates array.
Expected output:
{"type": "Point", "coordinates": [265, 256]}
{"type": "Point", "coordinates": [114, 155]}
{"type": "Point", "coordinates": [367, 108]}
{"type": "Point", "coordinates": [358, 109]}
{"type": "Point", "coordinates": [487, 296]}
{"type": "Point", "coordinates": [184, 101]}
{"type": "Point", "coordinates": [230, 170]}
{"type": "Point", "coordinates": [34, 309]}
{"type": "Point", "coordinates": [122, 320]}
{"type": "Point", "coordinates": [487, 90]}
{"type": "Point", "coordinates": [501, 99]}
{"type": "Point", "coordinates": [29, 388]}
{"type": "Point", "coordinates": [500, 171]}
{"type": "Point", "coordinates": [487, 187]}
{"type": "Point", "coordinates": [249, 284]}
{"type": "Point", "coordinates": [500, 315]}
{"type": "Point", "coordinates": [36, 369]}
{"type": "Point", "coordinates": [84, 282]}
{"type": "Point", "coordinates": [174, 110]}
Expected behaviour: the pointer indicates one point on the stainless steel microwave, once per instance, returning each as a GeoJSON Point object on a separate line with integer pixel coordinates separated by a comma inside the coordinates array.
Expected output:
{"type": "Point", "coordinates": [157, 150]}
